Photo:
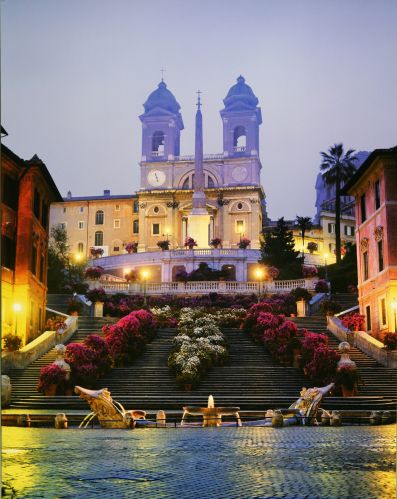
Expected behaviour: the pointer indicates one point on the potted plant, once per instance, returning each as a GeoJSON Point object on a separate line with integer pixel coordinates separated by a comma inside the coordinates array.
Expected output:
{"type": "Point", "coordinates": [96, 252]}
{"type": "Point", "coordinates": [131, 247]}
{"type": "Point", "coordinates": [244, 243]}
{"type": "Point", "coordinates": [309, 271]}
{"type": "Point", "coordinates": [74, 307]}
{"type": "Point", "coordinates": [321, 286]}
{"type": "Point", "coordinates": [12, 342]}
{"type": "Point", "coordinates": [390, 341]}
{"type": "Point", "coordinates": [96, 295]}
{"type": "Point", "coordinates": [164, 245]}
{"type": "Point", "coordinates": [190, 243]}
{"type": "Point", "coordinates": [94, 272]}
{"type": "Point", "coordinates": [52, 379]}
{"type": "Point", "coordinates": [216, 242]}
{"type": "Point", "coordinates": [347, 378]}
{"type": "Point", "coordinates": [329, 307]}
{"type": "Point", "coordinates": [301, 294]}
{"type": "Point", "coordinates": [132, 276]}
{"type": "Point", "coordinates": [273, 273]}
{"type": "Point", "coordinates": [312, 247]}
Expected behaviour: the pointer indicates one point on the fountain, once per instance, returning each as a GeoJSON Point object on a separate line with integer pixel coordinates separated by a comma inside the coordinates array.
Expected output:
{"type": "Point", "coordinates": [212, 416]}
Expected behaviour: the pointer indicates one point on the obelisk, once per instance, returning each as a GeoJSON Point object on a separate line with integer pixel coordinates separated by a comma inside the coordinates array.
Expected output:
{"type": "Point", "coordinates": [199, 219]}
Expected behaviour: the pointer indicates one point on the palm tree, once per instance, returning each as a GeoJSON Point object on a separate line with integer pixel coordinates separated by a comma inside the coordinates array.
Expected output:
{"type": "Point", "coordinates": [337, 167]}
{"type": "Point", "coordinates": [304, 224]}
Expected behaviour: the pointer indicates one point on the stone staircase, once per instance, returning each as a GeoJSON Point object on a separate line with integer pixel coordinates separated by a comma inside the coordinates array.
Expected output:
{"type": "Point", "coordinates": [24, 381]}
{"type": "Point", "coordinates": [345, 300]}
{"type": "Point", "coordinates": [58, 302]}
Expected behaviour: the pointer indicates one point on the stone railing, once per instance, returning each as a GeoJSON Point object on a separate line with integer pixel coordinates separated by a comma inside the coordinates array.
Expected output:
{"type": "Point", "coordinates": [364, 342]}
{"type": "Point", "coordinates": [203, 287]}
{"type": "Point", "coordinates": [315, 302]}
{"type": "Point", "coordinates": [39, 346]}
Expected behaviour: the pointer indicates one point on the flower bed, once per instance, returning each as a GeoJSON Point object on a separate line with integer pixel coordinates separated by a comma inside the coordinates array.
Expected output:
{"type": "Point", "coordinates": [198, 346]}
{"type": "Point", "coordinates": [354, 322]}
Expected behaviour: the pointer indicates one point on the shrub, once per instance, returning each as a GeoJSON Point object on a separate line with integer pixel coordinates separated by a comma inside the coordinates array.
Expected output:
{"type": "Point", "coordinates": [190, 242]}
{"type": "Point", "coordinates": [354, 322]}
{"type": "Point", "coordinates": [312, 246]}
{"type": "Point", "coordinates": [301, 294]}
{"type": "Point", "coordinates": [309, 271]}
{"type": "Point", "coordinates": [390, 341]}
{"type": "Point", "coordinates": [12, 342]}
{"type": "Point", "coordinates": [96, 294]}
{"type": "Point", "coordinates": [164, 245]}
{"type": "Point", "coordinates": [215, 242]}
{"type": "Point", "coordinates": [310, 342]}
{"type": "Point", "coordinates": [74, 306]}
{"type": "Point", "coordinates": [321, 286]}
{"type": "Point", "coordinates": [322, 368]}
{"type": "Point", "coordinates": [131, 247]}
{"type": "Point", "coordinates": [329, 307]}
{"type": "Point", "coordinates": [244, 243]}
{"type": "Point", "coordinates": [51, 375]}
{"type": "Point", "coordinates": [94, 272]}
{"type": "Point", "coordinates": [96, 252]}
{"type": "Point", "coordinates": [101, 358]}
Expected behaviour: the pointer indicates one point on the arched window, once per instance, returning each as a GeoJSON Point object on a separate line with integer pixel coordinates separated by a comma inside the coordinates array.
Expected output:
{"type": "Point", "coordinates": [239, 138]}
{"type": "Point", "coordinates": [210, 182]}
{"type": "Point", "coordinates": [185, 184]}
{"type": "Point", "coordinates": [158, 143]}
{"type": "Point", "coordinates": [80, 248]}
{"type": "Point", "coordinates": [99, 238]}
{"type": "Point", "coordinates": [99, 216]}
{"type": "Point", "coordinates": [135, 227]}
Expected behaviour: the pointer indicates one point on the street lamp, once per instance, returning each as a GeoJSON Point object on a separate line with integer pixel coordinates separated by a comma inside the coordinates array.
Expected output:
{"type": "Point", "coordinates": [394, 308]}
{"type": "Point", "coordinates": [145, 275]}
{"type": "Point", "coordinates": [17, 307]}
{"type": "Point", "coordinates": [259, 274]}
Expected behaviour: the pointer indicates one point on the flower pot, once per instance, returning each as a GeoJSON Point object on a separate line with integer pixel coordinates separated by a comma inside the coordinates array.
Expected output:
{"type": "Point", "coordinates": [347, 392]}
{"type": "Point", "coordinates": [51, 391]}
{"type": "Point", "coordinates": [74, 313]}
{"type": "Point", "coordinates": [191, 247]}
{"type": "Point", "coordinates": [187, 387]}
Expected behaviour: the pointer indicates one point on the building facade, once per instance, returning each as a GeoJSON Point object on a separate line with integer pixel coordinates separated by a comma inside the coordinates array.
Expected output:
{"type": "Point", "coordinates": [27, 191]}
{"type": "Point", "coordinates": [374, 187]}
{"type": "Point", "coordinates": [108, 222]}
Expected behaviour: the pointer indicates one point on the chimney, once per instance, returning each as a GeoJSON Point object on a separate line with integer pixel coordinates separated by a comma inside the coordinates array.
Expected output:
{"type": "Point", "coordinates": [106, 193]}
{"type": "Point", "coordinates": [69, 195]}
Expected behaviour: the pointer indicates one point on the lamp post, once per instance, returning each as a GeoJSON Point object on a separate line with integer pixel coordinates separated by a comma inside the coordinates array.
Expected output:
{"type": "Point", "coordinates": [259, 274]}
{"type": "Point", "coordinates": [326, 265]}
{"type": "Point", "coordinates": [394, 308]}
{"type": "Point", "coordinates": [145, 275]}
{"type": "Point", "coordinates": [17, 308]}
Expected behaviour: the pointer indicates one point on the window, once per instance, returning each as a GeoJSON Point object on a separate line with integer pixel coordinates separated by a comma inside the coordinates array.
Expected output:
{"type": "Point", "coordinates": [80, 248]}
{"type": "Point", "coordinates": [44, 215]}
{"type": "Point", "coordinates": [330, 247]}
{"type": "Point", "coordinates": [116, 223]}
{"type": "Point", "coordinates": [186, 184]}
{"type": "Point", "coordinates": [239, 139]}
{"type": "Point", "coordinates": [158, 143]}
{"type": "Point", "coordinates": [155, 229]}
{"type": "Point", "coordinates": [368, 317]}
{"type": "Point", "coordinates": [331, 228]}
{"type": "Point", "coordinates": [99, 216]}
{"type": "Point", "coordinates": [117, 207]}
{"type": "Point", "coordinates": [377, 194]}
{"type": "Point", "coordinates": [42, 267]}
{"type": "Point", "coordinates": [349, 230]}
{"type": "Point", "coordinates": [240, 206]}
{"type": "Point", "coordinates": [8, 252]}
{"type": "Point", "coordinates": [382, 313]}
{"type": "Point", "coordinates": [62, 225]}
{"type": "Point", "coordinates": [365, 265]}
{"type": "Point", "coordinates": [210, 182]}
{"type": "Point", "coordinates": [36, 204]}
{"type": "Point", "coordinates": [156, 209]}
{"type": "Point", "coordinates": [81, 209]}
{"type": "Point", "coordinates": [81, 225]}
{"type": "Point", "coordinates": [64, 210]}
{"type": "Point", "coordinates": [99, 238]}
{"type": "Point", "coordinates": [363, 209]}
{"type": "Point", "coordinates": [33, 261]}
{"type": "Point", "coordinates": [135, 227]}
{"type": "Point", "coordinates": [116, 248]}
{"type": "Point", "coordinates": [10, 192]}
{"type": "Point", "coordinates": [239, 226]}
{"type": "Point", "coordinates": [380, 256]}
{"type": "Point", "coordinates": [136, 207]}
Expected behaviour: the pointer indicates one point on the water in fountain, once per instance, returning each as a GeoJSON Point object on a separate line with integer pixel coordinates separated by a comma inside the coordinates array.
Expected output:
{"type": "Point", "coordinates": [211, 403]}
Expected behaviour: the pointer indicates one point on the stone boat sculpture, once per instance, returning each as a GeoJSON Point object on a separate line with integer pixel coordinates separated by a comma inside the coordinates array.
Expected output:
{"type": "Point", "coordinates": [110, 414]}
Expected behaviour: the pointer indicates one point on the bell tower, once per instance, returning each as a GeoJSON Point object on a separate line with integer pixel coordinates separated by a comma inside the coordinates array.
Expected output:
{"type": "Point", "coordinates": [161, 125]}
{"type": "Point", "coordinates": [241, 119]}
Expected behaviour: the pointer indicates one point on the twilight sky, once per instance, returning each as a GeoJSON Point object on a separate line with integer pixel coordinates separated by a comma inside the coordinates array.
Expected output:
{"type": "Point", "coordinates": [75, 74]}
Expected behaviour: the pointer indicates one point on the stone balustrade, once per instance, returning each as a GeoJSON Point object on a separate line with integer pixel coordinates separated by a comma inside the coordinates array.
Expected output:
{"type": "Point", "coordinates": [203, 287]}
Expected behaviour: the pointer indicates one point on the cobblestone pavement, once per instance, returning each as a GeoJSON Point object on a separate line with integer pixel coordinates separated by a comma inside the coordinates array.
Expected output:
{"type": "Point", "coordinates": [321, 462]}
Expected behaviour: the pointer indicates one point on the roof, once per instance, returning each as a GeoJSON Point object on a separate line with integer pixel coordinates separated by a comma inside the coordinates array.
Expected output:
{"type": "Point", "coordinates": [35, 161]}
{"type": "Point", "coordinates": [240, 96]}
{"type": "Point", "coordinates": [100, 198]}
{"type": "Point", "coordinates": [392, 152]}
{"type": "Point", "coordinates": [162, 98]}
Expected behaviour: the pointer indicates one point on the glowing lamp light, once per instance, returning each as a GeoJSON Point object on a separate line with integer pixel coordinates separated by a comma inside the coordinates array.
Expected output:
{"type": "Point", "coordinates": [78, 257]}
{"type": "Point", "coordinates": [17, 307]}
{"type": "Point", "coordinates": [145, 274]}
{"type": "Point", "coordinates": [394, 304]}
{"type": "Point", "coordinates": [326, 256]}
{"type": "Point", "coordinates": [259, 273]}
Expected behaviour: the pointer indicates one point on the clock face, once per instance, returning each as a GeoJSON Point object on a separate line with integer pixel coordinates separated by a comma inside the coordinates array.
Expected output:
{"type": "Point", "coordinates": [156, 178]}
{"type": "Point", "coordinates": [239, 173]}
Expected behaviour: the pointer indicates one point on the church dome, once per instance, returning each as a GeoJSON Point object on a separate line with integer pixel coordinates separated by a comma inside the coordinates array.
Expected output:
{"type": "Point", "coordinates": [162, 98]}
{"type": "Point", "coordinates": [241, 96]}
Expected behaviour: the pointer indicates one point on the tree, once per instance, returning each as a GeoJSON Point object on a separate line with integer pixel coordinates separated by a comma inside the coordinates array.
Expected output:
{"type": "Point", "coordinates": [337, 167]}
{"type": "Point", "coordinates": [278, 250]}
{"type": "Point", "coordinates": [304, 224]}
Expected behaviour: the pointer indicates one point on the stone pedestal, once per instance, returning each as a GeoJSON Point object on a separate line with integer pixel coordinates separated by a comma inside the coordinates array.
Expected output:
{"type": "Point", "coordinates": [301, 308]}
{"type": "Point", "coordinates": [98, 309]}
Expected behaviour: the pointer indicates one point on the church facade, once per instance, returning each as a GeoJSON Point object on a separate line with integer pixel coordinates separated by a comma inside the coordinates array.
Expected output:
{"type": "Point", "coordinates": [232, 190]}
